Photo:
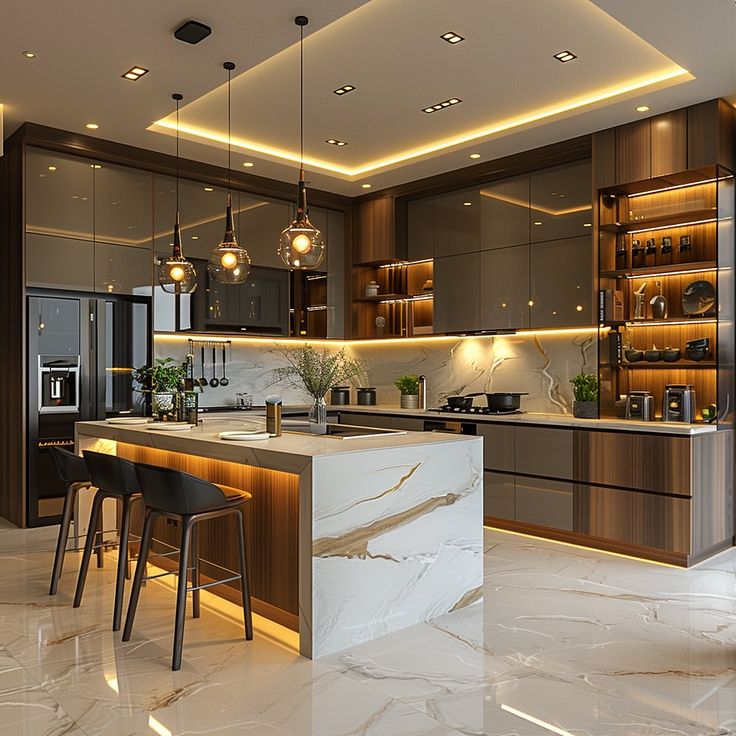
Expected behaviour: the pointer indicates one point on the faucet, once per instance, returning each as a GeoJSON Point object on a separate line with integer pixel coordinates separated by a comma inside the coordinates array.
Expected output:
{"type": "Point", "coordinates": [423, 393]}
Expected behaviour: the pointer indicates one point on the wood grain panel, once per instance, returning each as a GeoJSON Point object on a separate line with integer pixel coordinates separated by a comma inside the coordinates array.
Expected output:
{"type": "Point", "coordinates": [604, 158]}
{"type": "Point", "coordinates": [633, 152]}
{"type": "Point", "coordinates": [271, 523]}
{"type": "Point", "coordinates": [669, 142]}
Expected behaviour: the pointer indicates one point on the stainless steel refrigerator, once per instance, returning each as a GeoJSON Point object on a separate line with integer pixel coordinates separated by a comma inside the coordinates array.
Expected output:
{"type": "Point", "coordinates": [81, 354]}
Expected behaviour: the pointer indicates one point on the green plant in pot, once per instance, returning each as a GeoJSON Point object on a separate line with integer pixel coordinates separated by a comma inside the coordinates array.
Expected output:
{"type": "Point", "coordinates": [585, 390]}
{"type": "Point", "coordinates": [163, 381]}
{"type": "Point", "coordinates": [409, 387]}
{"type": "Point", "coordinates": [316, 372]}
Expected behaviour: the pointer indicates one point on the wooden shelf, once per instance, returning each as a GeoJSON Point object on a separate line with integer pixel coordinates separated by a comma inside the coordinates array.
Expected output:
{"type": "Point", "coordinates": [669, 322]}
{"type": "Point", "coordinates": [395, 297]}
{"type": "Point", "coordinates": [673, 269]}
{"type": "Point", "coordinates": [663, 365]}
{"type": "Point", "coordinates": [681, 219]}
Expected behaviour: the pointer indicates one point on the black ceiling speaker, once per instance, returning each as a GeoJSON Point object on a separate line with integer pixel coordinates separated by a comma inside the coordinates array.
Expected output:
{"type": "Point", "coordinates": [192, 31]}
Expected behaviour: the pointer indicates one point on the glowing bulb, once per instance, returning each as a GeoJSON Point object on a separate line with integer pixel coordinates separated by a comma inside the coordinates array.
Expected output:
{"type": "Point", "coordinates": [229, 260]}
{"type": "Point", "coordinates": [177, 273]}
{"type": "Point", "coordinates": [302, 244]}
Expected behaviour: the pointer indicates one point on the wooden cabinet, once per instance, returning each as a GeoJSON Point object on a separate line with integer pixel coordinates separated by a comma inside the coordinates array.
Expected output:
{"type": "Point", "coordinates": [420, 229]}
{"type": "Point", "coordinates": [499, 495]}
{"type": "Point", "coordinates": [457, 223]}
{"type": "Point", "coordinates": [457, 293]}
{"type": "Point", "coordinates": [498, 446]}
{"type": "Point", "coordinates": [121, 269]}
{"type": "Point", "coordinates": [504, 207]}
{"type": "Point", "coordinates": [504, 288]}
{"type": "Point", "coordinates": [375, 236]}
{"type": "Point", "coordinates": [561, 282]}
{"type": "Point", "coordinates": [544, 451]}
{"type": "Point", "coordinates": [544, 502]}
{"type": "Point", "coordinates": [59, 263]}
{"type": "Point", "coordinates": [710, 138]}
{"type": "Point", "coordinates": [668, 135]}
{"type": "Point", "coordinates": [633, 150]}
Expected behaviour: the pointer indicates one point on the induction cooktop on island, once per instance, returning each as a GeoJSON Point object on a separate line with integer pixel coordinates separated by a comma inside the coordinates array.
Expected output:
{"type": "Point", "coordinates": [485, 410]}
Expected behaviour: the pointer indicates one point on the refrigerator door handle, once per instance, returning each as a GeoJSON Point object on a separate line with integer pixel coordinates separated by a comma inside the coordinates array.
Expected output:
{"type": "Point", "coordinates": [100, 356]}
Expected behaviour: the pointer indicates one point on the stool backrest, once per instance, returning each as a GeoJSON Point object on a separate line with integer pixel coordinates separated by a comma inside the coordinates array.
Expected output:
{"type": "Point", "coordinates": [69, 467]}
{"type": "Point", "coordinates": [111, 473]}
{"type": "Point", "coordinates": [177, 492]}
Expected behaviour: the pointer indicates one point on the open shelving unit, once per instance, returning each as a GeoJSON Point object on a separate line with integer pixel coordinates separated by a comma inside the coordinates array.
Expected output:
{"type": "Point", "coordinates": [656, 239]}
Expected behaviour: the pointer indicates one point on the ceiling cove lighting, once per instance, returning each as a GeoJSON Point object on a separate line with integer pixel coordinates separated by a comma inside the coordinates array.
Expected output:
{"type": "Point", "coordinates": [441, 105]}
{"type": "Point", "coordinates": [335, 142]}
{"type": "Point", "coordinates": [452, 37]}
{"type": "Point", "coordinates": [343, 90]}
{"type": "Point", "coordinates": [229, 263]}
{"type": "Point", "coordinates": [176, 274]}
{"type": "Point", "coordinates": [301, 245]}
{"type": "Point", "coordinates": [565, 56]}
{"type": "Point", "coordinates": [135, 73]}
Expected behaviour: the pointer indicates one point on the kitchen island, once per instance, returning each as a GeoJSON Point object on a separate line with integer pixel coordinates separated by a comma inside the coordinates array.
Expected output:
{"type": "Point", "coordinates": [348, 539]}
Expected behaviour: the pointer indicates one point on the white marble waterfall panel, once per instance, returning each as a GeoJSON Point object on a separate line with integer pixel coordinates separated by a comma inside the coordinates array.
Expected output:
{"type": "Point", "coordinates": [397, 539]}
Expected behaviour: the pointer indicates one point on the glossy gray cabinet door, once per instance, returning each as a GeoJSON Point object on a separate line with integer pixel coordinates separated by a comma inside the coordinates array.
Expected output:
{"type": "Point", "coordinates": [505, 213]}
{"type": "Point", "coordinates": [59, 263]}
{"type": "Point", "coordinates": [499, 495]}
{"type": "Point", "coordinates": [544, 451]}
{"type": "Point", "coordinates": [123, 206]}
{"type": "Point", "coordinates": [544, 502]}
{"type": "Point", "coordinates": [562, 283]}
{"type": "Point", "coordinates": [335, 274]}
{"type": "Point", "coordinates": [420, 229]}
{"type": "Point", "coordinates": [561, 201]}
{"type": "Point", "coordinates": [260, 224]}
{"type": "Point", "coordinates": [504, 288]}
{"type": "Point", "coordinates": [120, 269]}
{"type": "Point", "coordinates": [457, 293]}
{"type": "Point", "coordinates": [56, 322]}
{"type": "Point", "coordinates": [457, 223]}
{"type": "Point", "coordinates": [59, 195]}
{"type": "Point", "coordinates": [498, 446]}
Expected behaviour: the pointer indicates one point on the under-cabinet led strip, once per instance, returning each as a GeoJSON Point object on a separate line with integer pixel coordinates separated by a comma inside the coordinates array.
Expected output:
{"type": "Point", "coordinates": [671, 227]}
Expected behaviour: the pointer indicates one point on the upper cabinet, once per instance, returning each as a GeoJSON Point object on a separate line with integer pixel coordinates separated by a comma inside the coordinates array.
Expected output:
{"type": "Point", "coordinates": [457, 223]}
{"type": "Point", "coordinates": [504, 207]}
{"type": "Point", "coordinates": [420, 229]}
{"type": "Point", "coordinates": [260, 224]}
{"type": "Point", "coordinates": [457, 293]}
{"type": "Point", "coordinates": [59, 195]}
{"type": "Point", "coordinates": [561, 202]}
{"type": "Point", "coordinates": [123, 206]}
{"type": "Point", "coordinates": [375, 231]}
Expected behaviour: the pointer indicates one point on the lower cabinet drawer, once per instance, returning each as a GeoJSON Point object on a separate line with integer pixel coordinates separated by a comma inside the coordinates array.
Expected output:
{"type": "Point", "coordinates": [498, 495]}
{"type": "Point", "coordinates": [632, 517]}
{"type": "Point", "coordinates": [544, 502]}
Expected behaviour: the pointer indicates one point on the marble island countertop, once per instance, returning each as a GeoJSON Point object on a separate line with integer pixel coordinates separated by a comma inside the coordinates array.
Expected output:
{"type": "Point", "coordinates": [561, 420]}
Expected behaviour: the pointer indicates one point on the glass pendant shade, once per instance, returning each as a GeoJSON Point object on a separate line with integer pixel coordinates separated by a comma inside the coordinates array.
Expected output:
{"type": "Point", "coordinates": [229, 263]}
{"type": "Point", "coordinates": [301, 245]}
{"type": "Point", "coordinates": [176, 274]}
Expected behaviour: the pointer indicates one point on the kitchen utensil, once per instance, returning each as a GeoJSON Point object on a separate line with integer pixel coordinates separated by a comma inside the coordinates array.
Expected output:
{"type": "Point", "coordinates": [652, 356]}
{"type": "Point", "coordinates": [244, 436]}
{"type": "Point", "coordinates": [170, 426]}
{"type": "Point", "coordinates": [639, 296]}
{"type": "Point", "coordinates": [503, 401]}
{"type": "Point", "coordinates": [340, 395]}
{"type": "Point", "coordinates": [634, 356]}
{"type": "Point", "coordinates": [244, 401]}
{"type": "Point", "coordinates": [670, 355]}
{"type": "Point", "coordinates": [366, 396]}
{"type": "Point", "coordinates": [698, 297]}
{"type": "Point", "coordinates": [460, 402]}
{"type": "Point", "coordinates": [678, 403]}
{"type": "Point", "coordinates": [224, 381]}
{"type": "Point", "coordinates": [640, 405]}
{"type": "Point", "coordinates": [697, 349]}
{"type": "Point", "coordinates": [214, 381]}
{"type": "Point", "coordinates": [659, 304]}
{"type": "Point", "coordinates": [709, 412]}
{"type": "Point", "coordinates": [202, 380]}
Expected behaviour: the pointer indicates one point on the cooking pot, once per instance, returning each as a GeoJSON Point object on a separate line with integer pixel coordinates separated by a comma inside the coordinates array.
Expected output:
{"type": "Point", "coordinates": [503, 401]}
{"type": "Point", "coordinates": [460, 402]}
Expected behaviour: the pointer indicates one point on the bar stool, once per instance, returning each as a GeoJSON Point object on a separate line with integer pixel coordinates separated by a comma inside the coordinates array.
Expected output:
{"type": "Point", "coordinates": [73, 472]}
{"type": "Point", "coordinates": [114, 478]}
{"type": "Point", "coordinates": [189, 500]}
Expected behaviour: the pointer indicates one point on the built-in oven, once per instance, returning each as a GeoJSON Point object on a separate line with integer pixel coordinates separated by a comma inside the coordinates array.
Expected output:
{"type": "Point", "coordinates": [450, 426]}
{"type": "Point", "coordinates": [58, 384]}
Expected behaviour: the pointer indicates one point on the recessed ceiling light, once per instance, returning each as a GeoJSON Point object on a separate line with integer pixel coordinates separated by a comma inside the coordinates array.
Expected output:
{"type": "Point", "coordinates": [537, 222]}
{"type": "Point", "coordinates": [643, 108]}
{"type": "Point", "coordinates": [135, 73]}
{"type": "Point", "coordinates": [92, 126]}
{"type": "Point", "coordinates": [29, 54]}
{"type": "Point", "coordinates": [587, 224]}
{"type": "Point", "coordinates": [441, 105]}
{"type": "Point", "coordinates": [344, 89]}
{"type": "Point", "coordinates": [248, 164]}
{"type": "Point", "coordinates": [366, 186]}
{"type": "Point", "coordinates": [564, 56]}
{"type": "Point", "coordinates": [474, 155]}
{"type": "Point", "coordinates": [95, 166]}
{"type": "Point", "coordinates": [335, 142]}
{"type": "Point", "coordinates": [52, 168]}
{"type": "Point", "coordinates": [195, 237]}
{"type": "Point", "coordinates": [209, 189]}
{"type": "Point", "coordinates": [452, 37]}
{"type": "Point", "coordinates": [467, 204]}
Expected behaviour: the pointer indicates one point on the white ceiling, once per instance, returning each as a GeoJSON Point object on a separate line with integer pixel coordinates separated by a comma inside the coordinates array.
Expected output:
{"type": "Point", "coordinates": [389, 49]}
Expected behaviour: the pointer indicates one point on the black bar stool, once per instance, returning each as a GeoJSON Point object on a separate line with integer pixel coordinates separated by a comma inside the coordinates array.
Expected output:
{"type": "Point", "coordinates": [189, 500]}
{"type": "Point", "coordinates": [73, 472]}
{"type": "Point", "coordinates": [114, 478]}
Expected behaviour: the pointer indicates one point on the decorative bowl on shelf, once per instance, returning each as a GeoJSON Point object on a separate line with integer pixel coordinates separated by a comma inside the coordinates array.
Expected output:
{"type": "Point", "coordinates": [634, 356]}
{"type": "Point", "coordinates": [670, 355]}
{"type": "Point", "coordinates": [697, 349]}
{"type": "Point", "coordinates": [652, 356]}
{"type": "Point", "coordinates": [698, 298]}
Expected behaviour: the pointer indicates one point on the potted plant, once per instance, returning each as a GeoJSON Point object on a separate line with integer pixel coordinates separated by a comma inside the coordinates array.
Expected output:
{"type": "Point", "coordinates": [163, 380]}
{"type": "Point", "coordinates": [585, 390]}
{"type": "Point", "coordinates": [316, 372]}
{"type": "Point", "coordinates": [409, 388]}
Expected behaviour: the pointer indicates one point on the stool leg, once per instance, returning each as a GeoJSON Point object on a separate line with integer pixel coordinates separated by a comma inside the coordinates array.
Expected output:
{"type": "Point", "coordinates": [244, 583]}
{"type": "Point", "coordinates": [122, 562]}
{"type": "Point", "coordinates": [99, 538]}
{"type": "Point", "coordinates": [94, 525]}
{"type": "Point", "coordinates": [181, 593]}
{"type": "Point", "coordinates": [140, 571]}
{"type": "Point", "coordinates": [195, 571]}
{"type": "Point", "coordinates": [66, 519]}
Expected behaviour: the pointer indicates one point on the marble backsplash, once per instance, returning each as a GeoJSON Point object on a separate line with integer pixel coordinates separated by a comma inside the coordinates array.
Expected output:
{"type": "Point", "coordinates": [540, 364]}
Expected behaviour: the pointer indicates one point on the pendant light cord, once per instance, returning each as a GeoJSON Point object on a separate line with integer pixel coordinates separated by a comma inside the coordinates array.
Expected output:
{"type": "Point", "coordinates": [177, 158]}
{"type": "Point", "coordinates": [301, 97]}
{"type": "Point", "coordinates": [229, 169]}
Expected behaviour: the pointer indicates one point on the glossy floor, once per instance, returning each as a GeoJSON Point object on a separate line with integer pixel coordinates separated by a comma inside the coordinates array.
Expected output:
{"type": "Point", "coordinates": [568, 642]}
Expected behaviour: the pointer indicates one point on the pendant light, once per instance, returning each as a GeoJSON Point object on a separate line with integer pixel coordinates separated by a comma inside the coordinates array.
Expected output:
{"type": "Point", "coordinates": [176, 274]}
{"type": "Point", "coordinates": [229, 263]}
{"type": "Point", "coordinates": [301, 245]}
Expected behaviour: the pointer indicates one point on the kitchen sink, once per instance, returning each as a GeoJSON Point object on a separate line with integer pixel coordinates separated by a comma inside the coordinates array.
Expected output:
{"type": "Point", "coordinates": [342, 431]}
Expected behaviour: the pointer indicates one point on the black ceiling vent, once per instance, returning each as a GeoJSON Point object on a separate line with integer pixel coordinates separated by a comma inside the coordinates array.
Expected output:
{"type": "Point", "coordinates": [192, 31]}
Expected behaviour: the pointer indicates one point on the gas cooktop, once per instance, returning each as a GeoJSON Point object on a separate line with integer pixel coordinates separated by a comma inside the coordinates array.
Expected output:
{"type": "Point", "coordinates": [475, 410]}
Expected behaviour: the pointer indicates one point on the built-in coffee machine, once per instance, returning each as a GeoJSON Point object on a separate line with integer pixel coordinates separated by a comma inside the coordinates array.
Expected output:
{"type": "Point", "coordinates": [678, 403]}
